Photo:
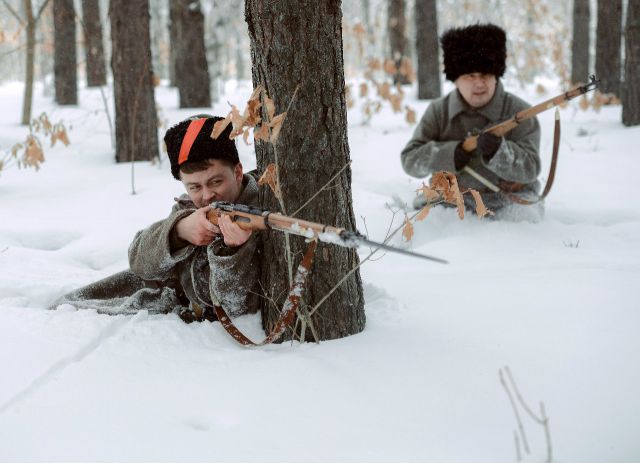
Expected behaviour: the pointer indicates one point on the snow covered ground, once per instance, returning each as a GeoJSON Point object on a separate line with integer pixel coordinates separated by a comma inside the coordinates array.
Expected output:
{"type": "Point", "coordinates": [555, 301]}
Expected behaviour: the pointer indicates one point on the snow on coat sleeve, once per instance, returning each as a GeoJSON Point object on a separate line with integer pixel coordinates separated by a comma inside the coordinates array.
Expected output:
{"type": "Point", "coordinates": [234, 275]}
{"type": "Point", "coordinates": [424, 153]}
{"type": "Point", "coordinates": [517, 158]}
{"type": "Point", "coordinates": [151, 254]}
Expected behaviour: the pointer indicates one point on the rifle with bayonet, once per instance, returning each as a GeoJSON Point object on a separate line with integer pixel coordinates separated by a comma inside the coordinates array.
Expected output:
{"type": "Point", "coordinates": [253, 218]}
{"type": "Point", "coordinates": [501, 128]}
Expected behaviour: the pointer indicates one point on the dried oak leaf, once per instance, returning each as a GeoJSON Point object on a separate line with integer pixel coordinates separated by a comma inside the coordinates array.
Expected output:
{"type": "Point", "coordinates": [219, 126]}
{"type": "Point", "coordinates": [270, 107]}
{"type": "Point", "coordinates": [389, 66]}
{"type": "Point", "coordinates": [424, 212]}
{"type": "Point", "coordinates": [481, 209]}
{"type": "Point", "coordinates": [262, 133]}
{"type": "Point", "coordinates": [410, 115]}
{"type": "Point", "coordinates": [33, 154]}
{"type": "Point", "coordinates": [429, 193]}
{"type": "Point", "coordinates": [237, 121]}
{"type": "Point", "coordinates": [245, 137]}
{"type": "Point", "coordinates": [374, 64]}
{"type": "Point", "coordinates": [276, 125]}
{"type": "Point", "coordinates": [446, 183]}
{"type": "Point", "coordinates": [384, 90]}
{"type": "Point", "coordinates": [59, 133]}
{"type": "Point", "coordinates": [270, 178]}
{"type": "Point", "coordinates": [364, 89]}
{"type": "Point", "coordinates": [396, 102]}
{"type": "Point", "coordinates": [407, 230]}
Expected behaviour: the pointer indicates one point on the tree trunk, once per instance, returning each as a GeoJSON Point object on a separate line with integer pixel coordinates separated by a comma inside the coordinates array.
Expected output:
{"type": "Point", "coordinates": [396, 23]}
{"type": "Point", "coordinates": [136, 119]}
{"type": "Point", "coordinates": [298, 44]}
{"type": "Point", "coordinates": [191, 59]}
{"type": "Point", "coordinates": [174, 24]}
{"type": "Point", "coordinates": [427, 49]}
{"type": "Point", "coordinates": [631, 94]}
{"type": "Point", "coordinates": [30, 57]}
{"type": "Point", "coordinates": [580, 42]}
{"type": "Point", "coordinates": [64, 68]}
{"type": "Point", "coordinates": [96, 68]}
{"type": "Point", "coordinates": [609, 36]}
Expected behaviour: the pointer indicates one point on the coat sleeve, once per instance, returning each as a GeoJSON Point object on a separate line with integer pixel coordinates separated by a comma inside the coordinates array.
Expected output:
{"type": "Point", "coordinates": [424, 154]}
{"type": "Point", "coordinates": [234, 275]}
{"type": "Point", "coordinates": [518, 158]}
{"type": "Point", "coordinates": [156, 250]}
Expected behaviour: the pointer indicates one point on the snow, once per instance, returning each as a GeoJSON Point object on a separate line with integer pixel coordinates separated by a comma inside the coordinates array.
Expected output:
{"type": "Point", "coordinates": [555, 301]}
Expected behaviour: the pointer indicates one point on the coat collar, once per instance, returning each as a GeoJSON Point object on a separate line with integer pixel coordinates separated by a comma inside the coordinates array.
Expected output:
{"type": "Point", "coordinates": [492, 110]}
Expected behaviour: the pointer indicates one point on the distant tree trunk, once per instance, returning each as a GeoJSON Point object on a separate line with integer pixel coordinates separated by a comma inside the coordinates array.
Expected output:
{"type": "Point", "coordinates": [64, 68]}
{"type": "Point", "coordinates": [96, 68]}
{"type": "Point", "coordinates": [174, 24]}
{"type": "Point", "coordinates": [609, 36]}
{"type": "Point", "coordinates": [580, 42]}
{"type": "Point", "coordinates": [427, 49]}
{"type": "Point", "coordinates": [631, 94]}
{"type": "Point", "coordinates": [30, 56]}
{"type": "Point", "coordinates": [396, 23]}
{"type": "Point", "coordinates": [191, 60]}
{"type": "Point", "coordinates": [304, 48]}
{"type": "Point", "coordinates": [136, 119]}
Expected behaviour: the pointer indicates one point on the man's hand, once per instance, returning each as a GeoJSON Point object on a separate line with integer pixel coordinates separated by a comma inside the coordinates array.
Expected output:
{"type": "Point", "coordinates": [488, 144]}
{"type": "Point", "coordinates": [196, 229]}
{"type": "Point", "coordinates": [233, 235]}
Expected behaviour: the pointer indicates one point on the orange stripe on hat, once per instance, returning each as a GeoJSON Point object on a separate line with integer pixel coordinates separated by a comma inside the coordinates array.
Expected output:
{"type": "Point", "coordinates": [187, 142]}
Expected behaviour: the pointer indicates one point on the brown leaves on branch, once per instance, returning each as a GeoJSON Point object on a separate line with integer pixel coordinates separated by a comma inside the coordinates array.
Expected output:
{"type": "Point", "coordinates": [266, 129]}
{"type": "Point", "coordinates": [270, 177]}
{"type": "Point", "coordinates": [443, 188]}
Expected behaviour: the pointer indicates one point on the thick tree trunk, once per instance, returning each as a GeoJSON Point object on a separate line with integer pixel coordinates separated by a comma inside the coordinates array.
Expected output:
{"type": "Point", "coordinates": [191, 59]}
{"type": "Point", "coordinates": [64, 69]}
{"type": "Point", "coordinates": [631, 94]}
{"type": "Point", "coordinates": [580, 42]}
{"type": "Point", "coordinates": [298, 43]}
{"type": "Point", "coordinates": [396, 24]}
{"type": "Point", "coordinates": [427, 49]}
{"type": "Point", "coordinates": [609, 36]}
{"type": "Point", "coordinates": [136, 119]}
{"type": "Point", "coordinates": [30, 57]}
{"type": "Point", "coordinates": [96, 67]}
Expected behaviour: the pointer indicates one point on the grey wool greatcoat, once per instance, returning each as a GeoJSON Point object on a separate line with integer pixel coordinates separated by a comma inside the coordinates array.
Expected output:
{"type": "Point", "coordinates": [170, 275]}
{"type": "Point", "coordinates": [449, 119]}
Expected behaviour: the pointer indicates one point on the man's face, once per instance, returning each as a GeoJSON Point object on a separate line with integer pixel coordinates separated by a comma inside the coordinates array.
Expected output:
{"type": "Point", "coordinates": [219, 182]}
{"type": "Point", "coordinates": [477, 89]}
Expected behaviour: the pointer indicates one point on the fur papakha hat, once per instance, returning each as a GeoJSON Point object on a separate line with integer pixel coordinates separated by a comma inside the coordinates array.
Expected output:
{"type": "Point", "coordinates": [477, 48]}
{"type": "Point", "coordinates": [190, 140]}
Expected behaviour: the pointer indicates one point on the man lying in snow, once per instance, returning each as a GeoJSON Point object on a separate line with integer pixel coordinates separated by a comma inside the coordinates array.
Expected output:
{"type": "Point", "coordinates": [184, 263]}
{"type": "Point", "coordinates": [474, 60]}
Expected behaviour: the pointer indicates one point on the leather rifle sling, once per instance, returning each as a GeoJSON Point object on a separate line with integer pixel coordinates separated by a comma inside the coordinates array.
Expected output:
{"type": "Point", "coordinates": [287, 315]}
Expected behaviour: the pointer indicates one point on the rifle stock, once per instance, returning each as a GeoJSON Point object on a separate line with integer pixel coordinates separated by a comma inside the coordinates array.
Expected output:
{"type": "Point", "coordinates": [471, 142]}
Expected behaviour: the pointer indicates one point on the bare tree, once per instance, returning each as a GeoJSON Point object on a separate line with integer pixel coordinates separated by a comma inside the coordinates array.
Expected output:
{"type": "Point", "coordinates": [427, 49]}
{"type": "Point", "coordinates": [136, 119]}
{"type": "Point", "coordinates": [609, 36]}
{"type": "Point", "coordinates": [29, 23]}
{"type": "Point", "coordinates": [396, 24]}
{"type": "Point", "coordinates": [580, 41]}
{"type": "Point", "coordinates": [94, 49]}
{"type": "Point", "coordinates": [302, 50]}
{"type": "Point", "coordinates": [65, 58]}
{"type": "Point", "coordinates": [631, 93]}
{"type": "Point", "coordinates": [191, 69]}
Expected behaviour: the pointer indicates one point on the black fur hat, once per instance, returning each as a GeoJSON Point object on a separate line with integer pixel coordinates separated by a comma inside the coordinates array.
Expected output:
{"type": "Point", "coordinates": [477, 48]}
{"type": "Point", "coordinates": [203, 147]}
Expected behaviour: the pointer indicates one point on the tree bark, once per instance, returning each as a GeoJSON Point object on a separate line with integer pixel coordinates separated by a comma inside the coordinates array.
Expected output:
{"type": "Point", "coordinates": [30, 56]}
{"type": "Point", "coordinates": [580, 42]}
{"type": "Point", "coordinates": [173, 41]}
{"type": "Point", "coordinates": [396, 24]}
{"type": "Point", "coordinates": [64, 68]}
{"type": "Point", "coordinates": [94, 49]}
{"type": "Point", "coordinates": [192, 71]}
{"type": "Point", "coordinates": [609, 36]}
{"type": "Point", "coordinates": [631, 93]}
{"type": "Point", "coordinates": [427, 48]}
{"type": "Point", "coordinates": [298, 44]}
{"type": "Point", "coordinates": [136, 119]}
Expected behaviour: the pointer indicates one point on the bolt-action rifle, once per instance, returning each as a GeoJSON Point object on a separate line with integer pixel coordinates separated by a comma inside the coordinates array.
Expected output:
{"type": "Point", "coordinates": [253, 218]}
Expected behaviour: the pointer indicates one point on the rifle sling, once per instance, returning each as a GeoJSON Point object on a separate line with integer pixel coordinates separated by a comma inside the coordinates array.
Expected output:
{"type": "Point", "coordinates": [287, 315]}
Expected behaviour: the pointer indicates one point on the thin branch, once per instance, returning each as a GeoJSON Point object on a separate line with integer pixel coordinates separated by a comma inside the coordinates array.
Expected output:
{"type": "Point", "coordinates": [41, 10]}
{"type": "Point", "coordinates": [14, 13]}
{"type": "Point", "coordinates": [322, 188]}
{"type": "Point", "coordinates": [526, 408]}
{"type": "Point", "coordinates": [517, 441]}
{"type": "Point", "coordinates": [547, 433]}
{"type": "Point", "coordinates": [515, 412]}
